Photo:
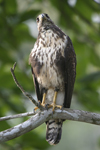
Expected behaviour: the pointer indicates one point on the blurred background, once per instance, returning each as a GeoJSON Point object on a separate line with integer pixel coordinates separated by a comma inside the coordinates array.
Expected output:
{"type": "Point", "coordinates": [80, 19]}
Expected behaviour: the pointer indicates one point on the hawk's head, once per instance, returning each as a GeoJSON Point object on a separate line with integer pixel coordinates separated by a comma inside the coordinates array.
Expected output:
{"type": "Point", "coordinates": [43, 20]}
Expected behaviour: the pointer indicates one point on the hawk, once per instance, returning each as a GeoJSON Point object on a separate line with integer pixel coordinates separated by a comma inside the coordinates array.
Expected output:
{"type": "Point", "coordinates": [53, 63]}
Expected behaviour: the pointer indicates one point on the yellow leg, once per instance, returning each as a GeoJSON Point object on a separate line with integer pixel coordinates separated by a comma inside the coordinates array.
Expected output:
{"type": "Point", "coordinates": [43, 102]}
{"type": "Point", "coordinates": [55, 97]}
{"type": "Point", "coordinates": [54, 102]}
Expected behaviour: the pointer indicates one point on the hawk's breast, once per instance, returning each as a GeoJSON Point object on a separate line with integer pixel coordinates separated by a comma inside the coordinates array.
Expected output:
{"type": "Point", "coordinates": [49, 61]}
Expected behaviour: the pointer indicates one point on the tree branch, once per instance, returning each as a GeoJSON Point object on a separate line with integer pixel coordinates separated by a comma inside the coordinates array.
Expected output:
{"type": "Point", "coordinates": [17, 116]}
{"type": "Point", "coordinates": [23, 91]}
{"type": "Point", "coordinates": [41, 117]}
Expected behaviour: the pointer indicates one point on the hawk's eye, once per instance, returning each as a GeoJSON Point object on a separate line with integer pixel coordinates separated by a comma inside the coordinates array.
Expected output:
{"type": "Point", "coordinates": [37, 19]}
{"type": "Point", "coordinates": [46, 15]}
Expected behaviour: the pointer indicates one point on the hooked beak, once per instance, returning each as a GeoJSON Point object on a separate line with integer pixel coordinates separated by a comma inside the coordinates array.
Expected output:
{"type": "Point", "coordinates": [43, 16]}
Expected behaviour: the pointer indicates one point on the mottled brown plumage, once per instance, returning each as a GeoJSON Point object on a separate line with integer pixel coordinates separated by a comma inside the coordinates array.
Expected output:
{"type": "Point", "coordinates": [53, 63]}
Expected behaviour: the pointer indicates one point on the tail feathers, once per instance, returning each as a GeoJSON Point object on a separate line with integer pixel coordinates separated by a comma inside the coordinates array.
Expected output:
{"type": "Point", "coordinates": [54, 131]}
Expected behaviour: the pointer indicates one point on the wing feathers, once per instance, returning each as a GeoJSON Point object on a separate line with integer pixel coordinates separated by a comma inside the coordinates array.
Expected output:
{"type": "Point", "coordinates": [37, 88]}
{"type": "Point", "coordinates": [70, 72]}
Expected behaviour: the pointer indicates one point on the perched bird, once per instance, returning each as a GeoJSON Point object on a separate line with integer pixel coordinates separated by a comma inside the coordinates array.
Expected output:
{"type": "Point", "coordinates": [53, 63]}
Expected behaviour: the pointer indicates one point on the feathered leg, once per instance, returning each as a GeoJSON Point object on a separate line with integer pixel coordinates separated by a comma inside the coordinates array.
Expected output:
{"type": "Point", "coordinates": [54, 102]}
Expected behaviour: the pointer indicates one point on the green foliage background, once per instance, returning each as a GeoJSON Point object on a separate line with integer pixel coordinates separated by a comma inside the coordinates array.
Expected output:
{"type": "Point", "coordinates": [16, 41]}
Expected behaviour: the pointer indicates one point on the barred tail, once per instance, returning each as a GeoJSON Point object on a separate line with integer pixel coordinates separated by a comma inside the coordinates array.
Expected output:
{"type": "Point", "coordinates": [54, 131]}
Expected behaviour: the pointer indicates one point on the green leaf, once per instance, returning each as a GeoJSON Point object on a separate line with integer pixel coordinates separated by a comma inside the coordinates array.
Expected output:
{"type": "Point", "coordinates": [30, 14]}
{"type": "Point", "coordinates": [10, 6]}
{"type": "Point", "coordinates": [91, 77]}
{"type": "Point", "coordinates": [89, 99]}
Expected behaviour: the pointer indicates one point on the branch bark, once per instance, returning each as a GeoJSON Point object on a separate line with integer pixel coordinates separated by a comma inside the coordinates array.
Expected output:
{"type": "Point", "coordinates": [17, 116]}
{"type": "Point", "coordinates": [41, 117]}
{"type": "Point", "coordinates": [44, 115]}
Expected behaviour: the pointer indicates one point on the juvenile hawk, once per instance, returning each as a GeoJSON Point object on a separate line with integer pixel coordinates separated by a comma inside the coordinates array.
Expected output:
{"type": "Point", "coordinates": [53, 63]}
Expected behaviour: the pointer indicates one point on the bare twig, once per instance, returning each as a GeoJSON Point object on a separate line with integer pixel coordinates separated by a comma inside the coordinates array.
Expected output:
{"type": "Point", "coordinates": [41, 117]}
{"type": "Point", "coordinates": [23, 91]}
{"type": "Point", "coordinates": [17, 116]}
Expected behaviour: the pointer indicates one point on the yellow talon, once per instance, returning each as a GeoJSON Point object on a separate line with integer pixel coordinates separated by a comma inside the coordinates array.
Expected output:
{"type": "Point", "coordinates": [54, 103]}
{"type": "Point", "coordinates": [43, 102]}
{"type": "Point", "coordinates": [50, 105]}
{"type": "Point", "coordinates": [36, 108]}
{"type": "Point", "coordinates": [54, 106]}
